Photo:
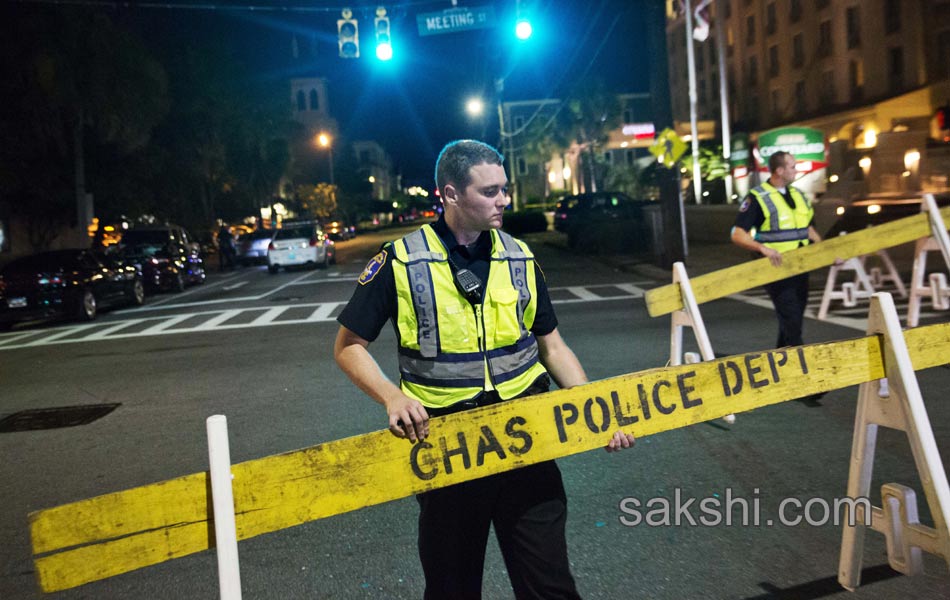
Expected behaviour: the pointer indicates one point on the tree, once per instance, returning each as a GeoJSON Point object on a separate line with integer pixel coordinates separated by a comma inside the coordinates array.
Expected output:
{"type": "Point", "coordinates": [592, 112]}
{"type": "Point", "coordinates": [72, 80]}
{"type": "Point", "coordinates": [316, 201]}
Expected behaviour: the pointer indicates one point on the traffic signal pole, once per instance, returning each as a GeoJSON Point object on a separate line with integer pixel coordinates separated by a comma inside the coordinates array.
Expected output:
{"type": "Point", "coordinates": [673, 239]}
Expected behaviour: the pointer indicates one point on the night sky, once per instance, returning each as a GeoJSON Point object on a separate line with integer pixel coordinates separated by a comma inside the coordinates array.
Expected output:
{"type": "Point", "coordinates": [415, 103]}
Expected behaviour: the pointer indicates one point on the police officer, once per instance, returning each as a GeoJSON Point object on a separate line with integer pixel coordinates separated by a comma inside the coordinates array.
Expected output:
{"type": "Point", "coordinates": [774, 218]}
{"type": "Point", "coordinates": [474, 326]}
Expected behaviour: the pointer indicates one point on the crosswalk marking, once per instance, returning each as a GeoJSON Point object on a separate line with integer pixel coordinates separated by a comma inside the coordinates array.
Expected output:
{"type": "Point", "coordinates": [253, 316]}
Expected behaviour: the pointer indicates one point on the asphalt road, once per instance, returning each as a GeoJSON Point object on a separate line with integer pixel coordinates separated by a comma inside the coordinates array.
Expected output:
{"type": "Point", "coordinates": [258, 348]}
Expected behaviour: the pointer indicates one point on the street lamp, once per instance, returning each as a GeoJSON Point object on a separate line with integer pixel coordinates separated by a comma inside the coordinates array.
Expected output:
{"type": "Point", "coordinates": [475, 107]}
{"type": "Point", "coordinates": [325, 142]}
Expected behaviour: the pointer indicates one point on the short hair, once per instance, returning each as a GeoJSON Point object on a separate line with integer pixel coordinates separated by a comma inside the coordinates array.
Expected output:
{"type": "Point", "coordinates": [778, 160]}
{"type": "Point", "coordinates": [457, 159]}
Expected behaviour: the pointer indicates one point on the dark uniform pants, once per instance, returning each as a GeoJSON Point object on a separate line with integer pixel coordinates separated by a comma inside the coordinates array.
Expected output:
{"type": "Point", "coordinates": [528, 508]}
{"type": "Point", "coordinates": [790, 297]}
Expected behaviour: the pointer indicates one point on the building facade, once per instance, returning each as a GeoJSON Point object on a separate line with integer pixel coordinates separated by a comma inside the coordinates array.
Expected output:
{"type": "Point", "coordinates": [870, 74]}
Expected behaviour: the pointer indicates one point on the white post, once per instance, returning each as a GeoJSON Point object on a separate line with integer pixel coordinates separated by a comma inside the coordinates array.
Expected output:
{"type": "Point", "coordinates": [225, 529]}
{"type": "Point", "coordinates": [724, 98]}
{"type": "Point", "coordinates": [694, 134]}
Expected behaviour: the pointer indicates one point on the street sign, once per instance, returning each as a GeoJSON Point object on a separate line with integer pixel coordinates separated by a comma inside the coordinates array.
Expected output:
{"type": "Point", "coordinates": [668, 148]}
{"type": "Point", "coordinates": [451, 20]}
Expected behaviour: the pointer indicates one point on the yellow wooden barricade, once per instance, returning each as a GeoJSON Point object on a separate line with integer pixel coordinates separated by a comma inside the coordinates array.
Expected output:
{"type": "Point", "coordinates": [725, 282]}
{"type": "Point", "coordinates": [107, 535]}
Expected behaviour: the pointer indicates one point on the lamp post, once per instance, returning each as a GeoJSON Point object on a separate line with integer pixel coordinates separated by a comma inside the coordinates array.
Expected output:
{"type": "Point", "coordinates": [325, 142]}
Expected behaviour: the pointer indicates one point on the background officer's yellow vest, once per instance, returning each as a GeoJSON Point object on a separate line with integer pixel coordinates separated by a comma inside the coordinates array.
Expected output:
{"type": "Point", "coordinates": [784, 228]}
{"type": "Point", "coordinates": [449, 350]}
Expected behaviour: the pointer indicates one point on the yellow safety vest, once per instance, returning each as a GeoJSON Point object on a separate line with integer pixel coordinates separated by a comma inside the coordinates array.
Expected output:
{"type": "Point", "coordinates": [784, 228]}
{"type": "Point", "coordinates": [449, 350]}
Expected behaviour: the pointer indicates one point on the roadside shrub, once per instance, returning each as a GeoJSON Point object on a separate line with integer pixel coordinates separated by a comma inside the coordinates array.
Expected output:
{"type": "Point", "coordinates": [520, 223]}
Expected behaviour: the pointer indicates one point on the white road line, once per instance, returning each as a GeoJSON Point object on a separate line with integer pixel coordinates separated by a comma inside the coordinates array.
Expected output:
{"type": "Point", "coordinates": [630, 288]}
{"type": "Point", "coordinates": [103, 333]}
{"type": "Point", "coordinates": [583, 293]}
{"type": "Point", "coordinates": [215, 321]}
{"type": "Point", "coordinates": [323, 312]}
{"type": "Point", "coordinates": [269, 315]}
{"type": "Point", "coordinates": [13, 337]}
{"type": "Point", "coordinates": [228, 288]}
{"type": "Point", "coordinates": [203, 286]}
{"type": "Point", "coordinates": [60, 334]}
{"type": "Point", "coordinates": [165, 324]}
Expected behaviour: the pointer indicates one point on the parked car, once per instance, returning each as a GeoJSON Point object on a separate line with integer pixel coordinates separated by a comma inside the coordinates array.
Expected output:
{"type": "Point", "coordinates": [169, 258]}
{"type": "Point", "coordinates": [66, 283]}
{"type": "Point", "coordinates": [300, 244]}
{"type": "Point", "coordinates": [252, 247]}
{"type": "Point", "coordinates": [596, 206]}
{"type": "Point", "coordinates": [339, 230]}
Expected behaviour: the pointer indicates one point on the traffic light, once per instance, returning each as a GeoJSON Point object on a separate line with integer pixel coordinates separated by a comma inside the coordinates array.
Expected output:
{"type": "Point", "coordinates": [384, 48]}
{"type": "Point", "coordinates": [349, 35]}
{"type": "Point", "coordinates": [523, 29]}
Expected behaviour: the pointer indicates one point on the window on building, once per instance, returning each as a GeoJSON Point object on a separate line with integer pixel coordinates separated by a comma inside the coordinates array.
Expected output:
{"type": "Point", "coordinates": [798, 50]}
{"type": "Point", "coordinates": [892, 16]}
{"type": "Point", "coordinates": [702, 95]}
{"type": "Point", "coordinates": [522, 166]}
{"type": "Point", "coordinates": [776, 99]}
{"type": "Point", "coordinates": [752, 71]}
{"type": "Point", "coordinates": [854, 26]}
{"type": "Point", "coordinates": [824, 39]}
{"type": "Point", "coordinates": [750, 30]}
{"type": "Point", "coordinates": [856, 80]}
{"type": "Point", "coordinates": [630, 156]}
{"type": "Point", "coordinates": [795, 11]}
{"type": "Point", "coordinates": [773, 61]}
{"type": "Point", "coordinates": [301, 101]}
{"type": "Point", "coordinates": [895, 70]}
{"type": "Point", "coordinates": [770, 19]}
{"type": "Point", "coordinates": [314, 101]}
{"type": "Point", "coordinates": [628, 115]}
{"type": "Point", "coordinates": [726, 8]}
{"type": "Point", "coordinates": [608, 157]}
{"type": "Point", "coordinates": [820, 4]}
{"type": "Point", "coordinates": [801, 101]}
{"type": "Point", "coordinates": [943, 55]}
{"type": "Point", "coordinates": [700, 61]}
{"type": "Point", "coordinates": [826, 94]}
{"type": "Point", "coordinates": [752, 111]}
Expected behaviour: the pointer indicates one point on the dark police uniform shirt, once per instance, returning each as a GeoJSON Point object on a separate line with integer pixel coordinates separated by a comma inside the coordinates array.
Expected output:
{"type": "Point", "coordinates": [751, 216]}
{"type": "Point", "coordinates": [374, 300]}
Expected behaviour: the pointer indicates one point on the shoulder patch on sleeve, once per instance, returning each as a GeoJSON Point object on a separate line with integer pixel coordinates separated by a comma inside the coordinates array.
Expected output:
{"type": "Point", "coordinates": [373, 267]}
{"type": "Point", "coordinates": [744, 206]}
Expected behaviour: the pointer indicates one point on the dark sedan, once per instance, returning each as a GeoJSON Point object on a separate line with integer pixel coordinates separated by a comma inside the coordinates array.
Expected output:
{"type": "Point", "coordinates": [166, 254]}
{"type": "Point", "coordinates": [66, 283]}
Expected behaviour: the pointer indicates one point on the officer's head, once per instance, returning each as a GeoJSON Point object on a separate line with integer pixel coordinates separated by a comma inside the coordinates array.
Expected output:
{"type": "Point", "coordinates": [473, 185]}
{"type": "Point", "coordinates": [782, 167]}
{"type": "Point", "coordinates": [457, 159]}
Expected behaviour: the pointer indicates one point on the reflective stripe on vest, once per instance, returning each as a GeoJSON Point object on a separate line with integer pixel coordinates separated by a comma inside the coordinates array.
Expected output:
{"type": "Point", "coordinates": [795, 230]}
{"type": "Point", "coordinates": [441, 360]}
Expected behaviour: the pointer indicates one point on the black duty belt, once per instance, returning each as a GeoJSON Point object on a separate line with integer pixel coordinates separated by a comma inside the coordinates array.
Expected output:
{"type": "Point", "coordinates": [487, 398]}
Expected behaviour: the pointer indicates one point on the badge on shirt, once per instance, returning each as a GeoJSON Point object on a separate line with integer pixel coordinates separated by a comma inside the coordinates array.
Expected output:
{"type": "Point", "coordinates": [744, 206]}
{"type": "Point", "coordinates": [372, 267]}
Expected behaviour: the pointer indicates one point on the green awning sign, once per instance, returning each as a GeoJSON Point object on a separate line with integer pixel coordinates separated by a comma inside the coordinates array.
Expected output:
{"type": "Point", "coordinates": [806, 144]}
{"type": "Point", "coordinates": [739, 155]}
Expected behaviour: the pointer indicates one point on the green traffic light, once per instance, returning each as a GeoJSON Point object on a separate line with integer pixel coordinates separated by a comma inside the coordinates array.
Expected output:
{"type": "Point", "coordinates": [523, 29]}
